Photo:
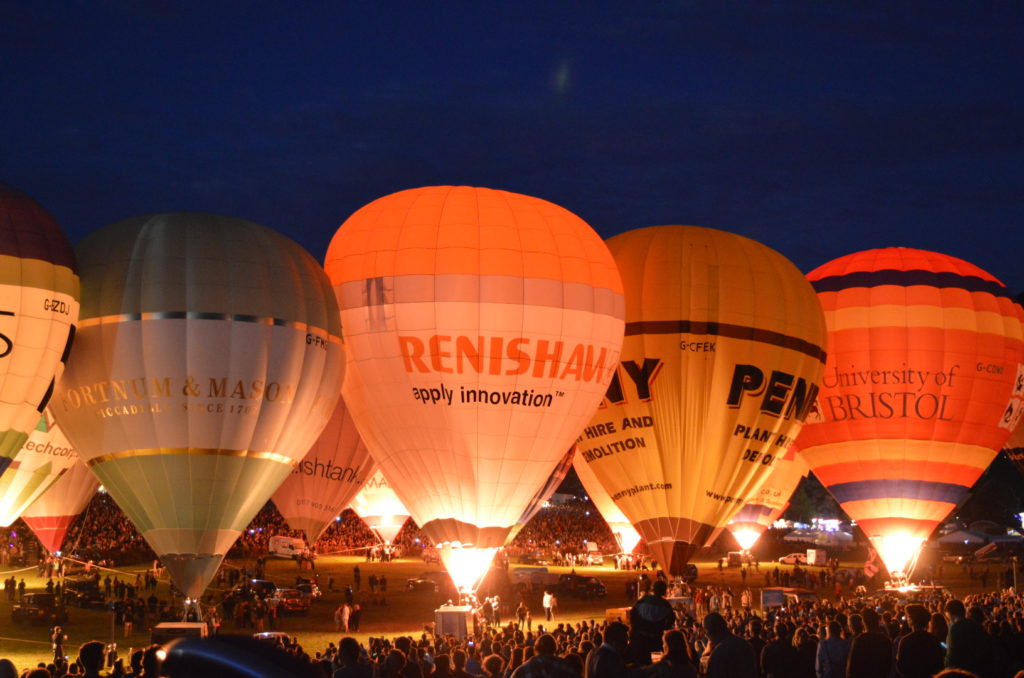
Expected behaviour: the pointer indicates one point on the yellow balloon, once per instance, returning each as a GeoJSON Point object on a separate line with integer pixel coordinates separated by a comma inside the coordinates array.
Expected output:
{"type": "Point", "coordinates": [723, 353]}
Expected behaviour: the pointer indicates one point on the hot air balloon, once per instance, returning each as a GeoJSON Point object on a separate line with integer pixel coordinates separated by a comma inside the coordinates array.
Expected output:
{"type": "Point", "coordinates": [625, 534]}
{"type": "Point", "coordinates": [482, 328]}
{"type": "Point", "coordinates": [50, 516]}
{"type": "Point", "coordinates": [44, 458]}
{"type": "Point", "coordinates": [723, 352]}
{"type": "Point", "coordinates": [761, 512]}
{"type": "Point", "coordinates": [923, 385]}
{"type": "Point", "coordinates": [380, 508]}
{"type": "Point", "coordinates": [208, 360]}
{"type": "Point", "coordinates": [327, 478]}
{"type": "Point", "coordinates": [38, 312]}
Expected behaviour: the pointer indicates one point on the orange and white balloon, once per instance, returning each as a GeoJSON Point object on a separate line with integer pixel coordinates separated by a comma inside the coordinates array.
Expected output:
{"type": "Point", "coordinates": [482, 328]}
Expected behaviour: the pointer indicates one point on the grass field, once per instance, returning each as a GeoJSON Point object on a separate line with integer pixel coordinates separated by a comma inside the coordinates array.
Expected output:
{"type": "Point", "coordinates": [405, 613]}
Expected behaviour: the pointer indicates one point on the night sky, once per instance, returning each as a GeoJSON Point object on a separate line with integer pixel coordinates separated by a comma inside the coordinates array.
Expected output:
{"type": "Point", "coordinates": [815, 128]}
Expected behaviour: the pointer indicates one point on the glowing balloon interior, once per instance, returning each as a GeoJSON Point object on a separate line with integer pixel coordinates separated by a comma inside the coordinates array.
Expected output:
{"type": "Point", "coordinates": [380, 508]}
{"type": "Point", "coordinates": [482, 328]}
{"type": "Point", "coordinates": [209, 359]}
{"type": "Point", "coordinates": [723, 354]}
{"type": "Point", "coordinates": [924, 382]}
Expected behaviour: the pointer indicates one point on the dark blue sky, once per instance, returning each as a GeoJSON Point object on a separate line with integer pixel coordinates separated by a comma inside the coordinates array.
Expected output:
{"type": "Point", "coordinates": [816, 128]}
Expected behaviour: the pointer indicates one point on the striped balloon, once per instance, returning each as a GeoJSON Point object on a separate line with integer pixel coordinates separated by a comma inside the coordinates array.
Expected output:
{"type": "Point", "coordinates": [761, 512]}
{"type": "Point", "coordinates": [923, 384]}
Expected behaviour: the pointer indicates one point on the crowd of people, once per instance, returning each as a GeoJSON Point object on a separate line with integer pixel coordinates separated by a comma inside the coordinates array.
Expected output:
{"type": "Point", "coordinates": [564, 529]}
{"type": "Point", "coordinates": [887, 636]}
{"type": "Point", "coordinates": [105, 535]}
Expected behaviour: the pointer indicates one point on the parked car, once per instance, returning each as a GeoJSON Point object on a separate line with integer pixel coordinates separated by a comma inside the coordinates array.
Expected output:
{"type": "Point", "coordinates": [309, 590]}
{"type": "Point", "coordinates": [264, 588]}
{"type": "Point", "coordinates": [579, 586]}
{"type": "Point", "coordinates": [39, 608]}
{"type": "Point", "coordinates": [690, 573]}
{"type": "Point", "coordinates": [273, 637]}
{"type": "Point", "coordinates": [291, 601]}
{"type": "Point", "coordinates": [83, 592]}
{"type": "Point", "coordinates": [428, 581]}
{"type": "Point", "coordinates": [794, 558]}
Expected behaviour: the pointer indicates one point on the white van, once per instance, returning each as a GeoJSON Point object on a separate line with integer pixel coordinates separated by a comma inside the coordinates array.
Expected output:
{"type": "Point", "coordinates": [165, 632]}
{"type": "Point", "coordinates": [285, 547]}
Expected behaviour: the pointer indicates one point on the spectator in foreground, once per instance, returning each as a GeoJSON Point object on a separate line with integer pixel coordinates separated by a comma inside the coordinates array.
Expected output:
{"type": "Point", "coordinates": [607, 659]}
{"type": "Point", "coordinates": [544, 663]}
{"type": "Point", "coordinates": [967, 645]}
{"type": "Point", "coordinates": [729, 656]}
{"type": "Point", "coordinates": [919, 654]}
{"type": "Point", "coordinates": [832, 653]}
{"type": "Point", "coordinates": [870, 651]}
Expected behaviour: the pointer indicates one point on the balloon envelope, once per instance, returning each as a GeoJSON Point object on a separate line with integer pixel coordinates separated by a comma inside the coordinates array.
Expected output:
{"type": "Point", "coordinates": [44, 458]}
{"type": "Point", "coordinates": [724, 349]}
{"type": "Point", "coordinates": [482, 328]}
{"type": "Point", "coordinates": [625, 534]}
{"type": "Point", "coordinates": [380, 508]}
{"type": "Point", "coordinates": [50, 516]}
{"type": "Point", "coordinates": [38, 312]}
{"type": "Point", "coordinates": [327, 478]}
{"type": "Point", "coordinates": [208, 361]}
{"type": "Point", "coordinates": [923, 384]}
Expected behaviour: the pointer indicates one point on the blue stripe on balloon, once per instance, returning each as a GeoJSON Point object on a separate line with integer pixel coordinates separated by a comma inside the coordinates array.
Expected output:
{"type": "Point", "coordinates": [837, 283]}
{"type": "Point", "coordinates": [922, 490]}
